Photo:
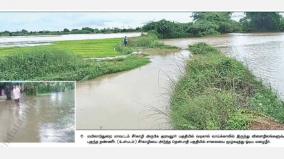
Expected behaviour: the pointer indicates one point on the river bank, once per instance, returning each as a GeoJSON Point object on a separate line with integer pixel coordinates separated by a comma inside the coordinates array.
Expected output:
{"type": "Point", "coordinates": [218, 93]}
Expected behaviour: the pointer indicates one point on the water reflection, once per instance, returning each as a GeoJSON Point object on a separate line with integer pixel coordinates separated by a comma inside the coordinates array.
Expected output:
{"type": "Point", "coordinates": [48, 118]}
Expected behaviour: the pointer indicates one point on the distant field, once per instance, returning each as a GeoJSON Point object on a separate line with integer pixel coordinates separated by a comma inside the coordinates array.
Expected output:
{"type": "Point", "coordinates": [91, 48]}
{"type": "Point", "coordinates": [84, 48]}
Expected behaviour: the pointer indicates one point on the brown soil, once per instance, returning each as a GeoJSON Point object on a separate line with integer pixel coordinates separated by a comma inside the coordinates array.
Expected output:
{"type": "Point", "coordinates": [266, 124]}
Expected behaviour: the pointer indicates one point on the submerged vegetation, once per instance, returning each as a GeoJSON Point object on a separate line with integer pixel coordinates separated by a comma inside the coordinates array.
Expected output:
{"type": "Point", "coordinates": [218, 92]}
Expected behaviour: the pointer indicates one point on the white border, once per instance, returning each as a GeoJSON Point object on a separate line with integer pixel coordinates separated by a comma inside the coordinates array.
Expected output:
{"type": "Point", "coordinates": [142, 5]}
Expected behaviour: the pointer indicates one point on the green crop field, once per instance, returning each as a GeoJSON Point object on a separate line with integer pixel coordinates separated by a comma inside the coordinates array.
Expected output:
{"type": "Point", "coordinates": [91, 48]}
{"type": "Point", "coordinates": [84, 48]}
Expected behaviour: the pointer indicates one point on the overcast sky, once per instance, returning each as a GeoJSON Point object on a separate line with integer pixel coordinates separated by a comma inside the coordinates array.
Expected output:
{"type": "Point", "coordinates": [35, 21]}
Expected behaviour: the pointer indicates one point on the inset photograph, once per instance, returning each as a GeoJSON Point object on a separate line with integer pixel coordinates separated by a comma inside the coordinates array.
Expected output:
{"type": "Point", "coordinates": [37, 112]}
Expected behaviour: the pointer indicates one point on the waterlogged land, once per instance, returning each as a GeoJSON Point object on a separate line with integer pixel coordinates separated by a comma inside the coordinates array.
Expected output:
{"type": "Point", "coordinates": [117, 105]}
{"type": "Point", "coordinates": [136, 99]}
{"type": "Point", "coordinates": [66, 60]}
{"type": "Point", "coordinates": [47, 118]}
{"type": "Point", "coordinates": [130, 112]}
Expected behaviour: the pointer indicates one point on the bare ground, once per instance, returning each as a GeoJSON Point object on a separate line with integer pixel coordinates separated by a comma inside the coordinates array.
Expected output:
{"type": "Point", "coordinates": [266, 124]}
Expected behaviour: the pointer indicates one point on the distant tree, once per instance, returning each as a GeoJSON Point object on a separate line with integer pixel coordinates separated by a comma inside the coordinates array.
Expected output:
{"type": "Point", "coordinates": [261, 21]}
{"type": "Point", "coordinates": [213, 23]}
{"type": "Point", "coordinates": [65, 30]}
{"type": "Point", "coordinates": [167, 29]}
{"type": "Point", "coordinates": [24, 31]}
{"type": "Point", "coordinates": [87, 29]}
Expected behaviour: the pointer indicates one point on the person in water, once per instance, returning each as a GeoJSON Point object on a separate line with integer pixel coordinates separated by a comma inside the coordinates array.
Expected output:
{"type": "Point", "coordinates": [17, 94]}
{"type": "Point", "coordinates": [125, 41]}
{"type": "Point", "coordinates": [8, 92]}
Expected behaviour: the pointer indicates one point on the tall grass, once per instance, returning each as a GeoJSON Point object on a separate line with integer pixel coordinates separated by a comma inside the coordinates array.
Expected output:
{"type": "Point", "coordinates": [145, 41]}
{"type": "Point", "coordinates": [218, 92]}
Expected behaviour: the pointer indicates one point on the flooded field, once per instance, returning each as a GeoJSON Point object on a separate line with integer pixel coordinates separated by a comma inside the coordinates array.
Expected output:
{"type": "Point", "coordinates": [46, 118]}
{"type": "Point", "coordinates": [23, 41]}
{"type": "Point", "coordinates": [139, 99]}
{"type": "Point", "coordinates": [263, 53]}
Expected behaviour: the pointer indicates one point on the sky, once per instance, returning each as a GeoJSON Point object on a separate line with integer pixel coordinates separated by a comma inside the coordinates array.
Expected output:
{"type": "Point", "coordinates": [55, 21]}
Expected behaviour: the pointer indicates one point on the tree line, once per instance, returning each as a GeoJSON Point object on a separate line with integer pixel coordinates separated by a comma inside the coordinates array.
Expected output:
{"type": "Point", "coordinates": [214, 23]}
{"type": "Point", "coordinates": [84, 30]}
{"type": "Point", "coordinates": [204, 23]}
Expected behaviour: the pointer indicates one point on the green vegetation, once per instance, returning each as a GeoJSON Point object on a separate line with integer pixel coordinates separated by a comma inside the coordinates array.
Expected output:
{"type": "Point", "coordinates": [96, 48]}
{"type": "Point", "coordinates": [262, 22]}
{"type": "Point", "coordinates": [84, 30]}
{"type": "Point", "coordinates": [65, 60]}
{"type": "Point", "coordinates": [215, 23]}
{"type": "Point", "coordinates": [205, 23]}
{"type": "Point", "coordinates": [53, 64]}
{"type": "Point", "coordinates": [83, 48]}
{"type": "Point", "coordinates": [218, 92]}
{"type": "Point", "coordinates": [166, 29]}
{"type": "Point", "coordinates": [90, 48]}
{"type": "Point", "coordinates": [212, 23]}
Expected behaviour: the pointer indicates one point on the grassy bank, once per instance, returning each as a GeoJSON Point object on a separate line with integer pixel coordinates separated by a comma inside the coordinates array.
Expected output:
{"type": "Point", "coordinates": [218, 92]}
{"type": "Point", "coordinates": [65, 60]}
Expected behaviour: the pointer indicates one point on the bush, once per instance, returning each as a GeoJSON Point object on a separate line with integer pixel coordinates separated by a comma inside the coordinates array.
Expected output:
{"type": "Point", "coordinates": [209, 111]}
{"type": "Point", "coordinates": [146, 41]}
{"type": "Point", "coordinates": [238, 121]}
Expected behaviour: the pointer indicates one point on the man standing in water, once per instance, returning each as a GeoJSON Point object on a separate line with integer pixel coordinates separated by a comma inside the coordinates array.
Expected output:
{"type": "Point", "coordinates": [125, 41]}
{"type": "Point", "coordinates": [17, 94]}
{"type": "Point", "coordinates": [8, 91]}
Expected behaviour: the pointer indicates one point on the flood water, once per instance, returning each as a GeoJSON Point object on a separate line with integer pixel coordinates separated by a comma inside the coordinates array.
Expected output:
{"type": "Point", "coordinates": [46, 118]}
{"type": "Point", "coordinates": [139, 99]}
{"type": "Point", "coordinates": [263, 53]}
{"type": "Point", "coordinates": [136, 99]}
{"type": "Point", "coordinates": [23, 41]}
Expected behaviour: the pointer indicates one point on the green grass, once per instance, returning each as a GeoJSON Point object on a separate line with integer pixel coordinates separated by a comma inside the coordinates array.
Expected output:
{"type": "Point", "coordinates": [91, 48]}
{"type": "Point", "coordinates": [83, 48]}
{"type": "Point", "coordinates": [99, 47]}
{"type": "Point", "coordinates": [218, 92]}
{"type": "Point", "coordinates": [64, 60]}
{"type": "Point", "coordinates": [53, 64]}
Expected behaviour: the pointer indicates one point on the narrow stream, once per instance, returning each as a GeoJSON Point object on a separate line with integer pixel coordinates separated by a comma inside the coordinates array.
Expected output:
{"type": "Point", "coordinates": [136, 99]}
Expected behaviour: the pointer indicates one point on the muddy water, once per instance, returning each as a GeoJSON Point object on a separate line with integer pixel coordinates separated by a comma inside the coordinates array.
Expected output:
{"type": "Point", "coordinates": [139, 99]}
{"type": "Point", "coordinates": [48, 118]}
{"type": "Point", "coordinates": [263, 53]}
{"type": "Point", "coordinates": [136, 99]}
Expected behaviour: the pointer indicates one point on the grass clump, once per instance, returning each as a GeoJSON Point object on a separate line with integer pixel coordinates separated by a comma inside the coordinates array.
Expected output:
{"type": "Point", "coordinates": [216, 89]}
{"type": "Point", "coordinates": [147, 43]}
